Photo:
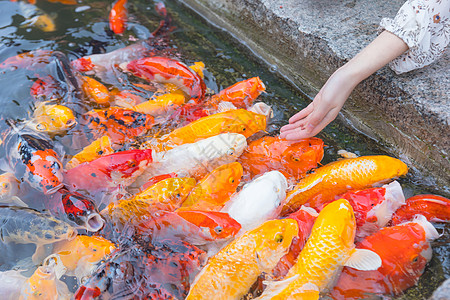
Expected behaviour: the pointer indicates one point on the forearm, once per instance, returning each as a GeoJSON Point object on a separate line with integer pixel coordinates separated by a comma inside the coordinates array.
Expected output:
{"type": "Point", "coordinates": [374, 56]}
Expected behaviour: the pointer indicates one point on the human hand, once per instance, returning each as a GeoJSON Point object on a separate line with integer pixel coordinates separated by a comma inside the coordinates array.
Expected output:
{"type": "Point", "coordinates": [324, 108]}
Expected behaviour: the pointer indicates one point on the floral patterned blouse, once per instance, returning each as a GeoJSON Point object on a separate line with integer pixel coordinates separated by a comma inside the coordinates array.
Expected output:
{"type": "Point", "coordinates": [424, 25]}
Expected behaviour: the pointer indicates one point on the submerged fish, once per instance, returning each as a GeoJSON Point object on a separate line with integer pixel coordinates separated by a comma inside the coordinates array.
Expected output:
{"type": "Point", "coordinates": [196, 159]}
{"type": "Point", "coordinates": [329, 248]}
{"type": "Point", "coordinates": [232, 271]}
{"type": "Point", "coordinates": [118, 17]}
{"type": "Point", "coordinates": [258, 201]}
{"type": "Point", "coordinates": [341, 176]}
{"type": "Point", "coordinates": [404, 250]}
{"type": "Point", "coordinates": [11, 283]}
{"type": "Point", "coordinates": [95, 91]}
{"type": "Point", "coordinates": [36, 17]}
{"type": "Point", "coordinates": [97, 148]}
{"type": "Point", "coordinates": [434, 207]}
{"type": "Point", "coordinates": [25, 225]}
{"type": "Point", "coordinates": [52, 118]}
{"type": "Point", "coordinates": [167, 70]}
{"type": "Point", "coordinates": [10, 190]}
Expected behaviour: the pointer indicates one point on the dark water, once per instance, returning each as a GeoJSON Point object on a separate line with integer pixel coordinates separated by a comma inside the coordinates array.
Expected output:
{"type": "Point", "coordinates": [83, 29]}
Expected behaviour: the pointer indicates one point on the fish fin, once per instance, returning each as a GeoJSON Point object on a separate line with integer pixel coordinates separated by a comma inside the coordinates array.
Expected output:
{"type": "Point", "coordinates": [16, 200]}
{"type": "Point", "coordinates": [276, 287]}
{"type": "Point", "coordinates": [225, 106]}
{"type": "Point", "coordinates": [364, 260]}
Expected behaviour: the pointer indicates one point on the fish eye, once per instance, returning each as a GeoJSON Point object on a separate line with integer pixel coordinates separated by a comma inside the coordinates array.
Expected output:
{"type": "Point", "coordinates": [415, 259]}
{"type": "Point", "coordinates": [41, 126]}
{"type": "Point", "coordinates": [230, 151]}
{"type": "Point", "coordinates": [56, 165]}
{"type": "Point", "coordinates": [231, 180]}
{"type": "Point", "coordinates": [218, 229]}
{"type": "Point", "coordinates": [100, 152]}
{"type": "Point", "coordinates": [295, 158]}
{"type": "Point", "coordinates": [71, 216]}
{"type": "Point", "coordinates": [6, 186]}
{"type": "Point", "coordinates": [279, 238]}
{"type": "Point", "coordinates": [132, 164]}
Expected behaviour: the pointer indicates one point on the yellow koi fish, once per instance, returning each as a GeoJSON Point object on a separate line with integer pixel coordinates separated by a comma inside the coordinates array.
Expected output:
{"type": "Point", "coordinates": [97, 148]}
{"type": "Point", "coordinates": [36, 17]}
{"type": "Point", "coordinates": [231, 272]}
{"type": "Point", "coordinates": [232, 121]}
{"type": "Point", "coordinates": [80, 255]}
{"type": "Point", "coordinates": [340, 176]}
{"type": "Point", "coordinates": [329, 248]}
{"type": "Point", "coordinates": [52, 118]}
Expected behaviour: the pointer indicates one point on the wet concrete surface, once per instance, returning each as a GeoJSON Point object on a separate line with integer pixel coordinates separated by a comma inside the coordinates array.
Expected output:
{"type": "Point", "coordinates": [307, 40]}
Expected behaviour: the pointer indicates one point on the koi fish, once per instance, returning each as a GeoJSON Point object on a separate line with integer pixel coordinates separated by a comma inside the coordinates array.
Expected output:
{"type": "Point", "coordinates": [329, 248]}
{"type": "Point", "coordinates": [36, 17]}
{"type": "Point", "coordinates": [231, 272]}
{"type": "Point", "coordinates": [305, 217]}
{"type": "Point", "coordinates": [340, 176]}
{"type": "Point", "coordinates": [80, 255]}
{"type": "Point", "coordinates": [11, 282]}
{"type": "Point", "coordinates": [258, 201]}
{"type": "Point", "coordinates": [195, 227]}
{"type": "Point", "coordinates": [161, 104]}
{"type": "Point", "coordinates": [435, 208]}
{"type": "Point", "coordinates": [118, 17]}
{"type": "Point", "coordinates": [161, 271]}
{"type": "Point", "coordinates": [75, 209]}
{"type": "Point", "coordinates": [45, 284]}
{"type": "Point", "coordinates": [118, 123]}
{"type": "Point", "coordinates": [46, 89]}
{"type": "Point", "coordinates": [108, 171]}
{"type": "Point", "coordinates": [95, 90]}
{"type": "Point", "coordinates": [404, 250]}
{"type": "Point", "coordinates": [28, 226]}
{"type": "Point", "coordinates": [292, 158]}
{"type": "Point", "coordinates": [166, 195]}
{"type": "Point", "coordinates": [196, 159]}
{"type": "Point", "coordinates": [167, 70]}
{"type": "Point", "coordinates": [97, 148]}
{"type": "Point", "coordinates": [30, 60]}
{"type": "Point", "coordinates": [32, 158]}
{"type": "Point", "coordinates": [10, 190]}
{"type": "Point", "coordinates": [241, 94]}
{"type": "Point", "coordinates": [374, 207]}
{"type": "Point", "coordinates": [234, 121]}
{"type": "Point", "coordinates": [52, 118]}
{"type": "Point", "coordinates": [157, 179]}
{"type": "Point", "coordinates": [128, 99]}
{"type": "Point", "coordinates": [216, 188]}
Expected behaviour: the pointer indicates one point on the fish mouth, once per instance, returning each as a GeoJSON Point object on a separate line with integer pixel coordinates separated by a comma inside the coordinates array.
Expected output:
{"type": "Point", "coordinates": [94, 222]}
{"type": "Point", "coordinates": [54, 190]}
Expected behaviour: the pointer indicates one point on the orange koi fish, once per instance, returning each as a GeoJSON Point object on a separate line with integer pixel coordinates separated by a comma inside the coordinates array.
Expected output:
{"type": "Point", "coordinates": [29, 60]}
{"type": "Point", "coordinates": [232, 271]}
{"type": "Point", "coordinates": [234, 121]}
{"type": "Point", "coordinates": [166, 195]}
{"type": "Point", "coordinates": [118, 17]}
{"type": "Point", "coordinates": [160, 104]}
{"type": "Point", "coordinates": [195, 227]}
{"type": "Point", "coordinates": [404, 250]}
{"type": "Point", "coordinates": [95, 91]}
{"type": "Point", "coordinates": [292, 158]}
{"type": "Point", "coordinates": [52, 118]}
{"type": "Point", "coordinates": [108, 171]}
{"type": "Point", "coordinates": [215, 189]}
{"type": "Point", "coordinates": [241, 94]}
{"type": "Point", "coordinates": [305, 217]}
{"type": "Point", "coordinates": [435, 208]}
{"type": "Point", "coordinates": [167, 70]}
{"type": "Point", "coordinates": [338, 177]}
{"type": "Point", "coordinates": [329, 248]}
{"type": "Point", "coordinates": [80, 255]}
{"type": "Point", "coordinates": [118, 123]}
{"type": "Point", "coordinates": [97, 148]}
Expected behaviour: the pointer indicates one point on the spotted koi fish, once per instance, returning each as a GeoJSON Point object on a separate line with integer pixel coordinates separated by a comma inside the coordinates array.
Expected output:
{"type": "Point", "coordinates": [33, 159]}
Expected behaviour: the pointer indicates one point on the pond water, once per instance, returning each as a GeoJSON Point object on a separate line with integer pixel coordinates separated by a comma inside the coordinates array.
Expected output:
{"type": "Point", "coordinates": [83, 29]}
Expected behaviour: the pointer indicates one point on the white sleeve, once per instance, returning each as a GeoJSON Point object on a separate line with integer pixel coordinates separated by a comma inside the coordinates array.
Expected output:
{"type": "Point", "coordinates": [424, 25]}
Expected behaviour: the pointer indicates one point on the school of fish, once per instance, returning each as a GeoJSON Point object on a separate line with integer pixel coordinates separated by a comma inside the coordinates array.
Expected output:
{"type": "Point", "coordinates": [159, 187]}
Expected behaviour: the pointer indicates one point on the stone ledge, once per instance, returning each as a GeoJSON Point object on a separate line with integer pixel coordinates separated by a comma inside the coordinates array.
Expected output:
{"type": "Point", "coordinates": [308, 39]}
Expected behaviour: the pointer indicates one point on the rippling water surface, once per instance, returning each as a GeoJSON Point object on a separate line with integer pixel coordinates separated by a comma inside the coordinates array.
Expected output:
{"type": "Point", "coordinates": [83, 29]}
